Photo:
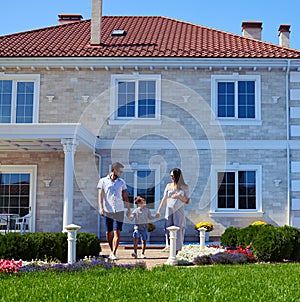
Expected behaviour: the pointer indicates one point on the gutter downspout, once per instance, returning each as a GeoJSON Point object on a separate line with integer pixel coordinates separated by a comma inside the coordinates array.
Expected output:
{"type": "Point", "coordinates": [99, 217]}
{"type": "Point", "coordinates": [288, 143]}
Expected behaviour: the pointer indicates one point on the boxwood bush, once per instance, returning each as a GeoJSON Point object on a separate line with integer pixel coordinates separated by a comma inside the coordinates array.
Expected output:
{"type": "Point", "coordinates": [246, 235]}
{"type": "Point", "coordinates": [229, 237]}
{"type": "Point", "coordinates": [277, 244]}
{"type": "Point", "coordinates": [268, 243]}
{"type": "Point", "coordinates": [87, 244]}
{"type": "Point", "coordinates": [46, 246]}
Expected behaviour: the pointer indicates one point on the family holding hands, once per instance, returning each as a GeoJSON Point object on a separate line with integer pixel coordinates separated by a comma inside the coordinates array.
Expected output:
{"type": "Point", "coordinates": [113, 199]}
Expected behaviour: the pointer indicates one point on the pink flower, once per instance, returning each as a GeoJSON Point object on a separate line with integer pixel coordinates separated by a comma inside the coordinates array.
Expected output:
{"type": "Point", "coordinates": [9, 266]}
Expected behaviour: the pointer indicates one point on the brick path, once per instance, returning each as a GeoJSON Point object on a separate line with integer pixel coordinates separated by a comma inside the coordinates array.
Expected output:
{"type": "Point", "coordinates": [154, 253]}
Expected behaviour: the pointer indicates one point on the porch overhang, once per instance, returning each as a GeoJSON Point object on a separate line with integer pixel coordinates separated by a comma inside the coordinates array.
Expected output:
{"type": "Point", "coordinates": [43, 137]}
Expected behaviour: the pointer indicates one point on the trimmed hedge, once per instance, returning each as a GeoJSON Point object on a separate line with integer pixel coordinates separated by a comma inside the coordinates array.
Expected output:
{"type": "Point", "coordinates": [268, 243]}
{"type": "Point", "coordinates": [46, 246]}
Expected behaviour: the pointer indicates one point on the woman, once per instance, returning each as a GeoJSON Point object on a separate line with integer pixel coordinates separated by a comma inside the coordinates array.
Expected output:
{"type": "Point", "coordinates": [176, 195]}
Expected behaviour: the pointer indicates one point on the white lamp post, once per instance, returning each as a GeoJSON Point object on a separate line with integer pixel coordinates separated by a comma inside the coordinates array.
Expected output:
{"type": "Point", "coordinates": [72, 232]}
{"type": "Point", "coordinates": [202, 237]}
{"type": "Point", "coordinates": [172, 260]}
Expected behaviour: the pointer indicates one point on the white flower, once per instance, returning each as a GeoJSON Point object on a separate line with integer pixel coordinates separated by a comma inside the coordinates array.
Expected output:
{"type": "Point", "coordinates": [189, 252]}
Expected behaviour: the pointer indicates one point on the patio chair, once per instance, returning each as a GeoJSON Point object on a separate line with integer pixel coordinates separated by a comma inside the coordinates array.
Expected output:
{"type": "Point", "coordinates": [22, 223]}
{"type": "Point", "coordinates": [3, 223]}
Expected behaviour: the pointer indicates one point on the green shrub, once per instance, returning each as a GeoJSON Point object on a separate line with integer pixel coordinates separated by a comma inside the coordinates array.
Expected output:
{"type": "Point", "coordinates": [229, 237]}
{"type": "Point", "coordinates": [245, 235]}
{"type": "Point", "coordinates": [265, 244]}
{"type": "Point", "coordinates": [46, 246]}
{"type": "Point", "coordinates": [281, 243]}
{"type": "Point", "coordinates": [13, 246]}
{"type": "Point", "coordinates": [294, 234]}
{"type": "Point", "coordinates": [87, 245]}
{"type": "Point", "coordinates": [51, 246]}
{"type": "Point", "coordinates": [268, 243]}
{"type": "Point", "coordinates": [285, 243]}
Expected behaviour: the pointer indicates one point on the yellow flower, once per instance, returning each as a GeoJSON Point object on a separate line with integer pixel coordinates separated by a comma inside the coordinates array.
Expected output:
{"type": "Point", "coordinates": [259, 223]}
{"type": "Point", "coordinates": [209, 226]}
{"type": "Point", "coordinates": [151, 227]}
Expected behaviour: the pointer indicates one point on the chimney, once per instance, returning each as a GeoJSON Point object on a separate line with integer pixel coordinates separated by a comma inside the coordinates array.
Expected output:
{"type": "Point", "coordinates": [96, 22]}
{"type": "Point", "coordinates": [68, 18]}
{"type": "Point", "coordinates": [252, 29]}
{"type": "Point", "coordinates": [284, 35]}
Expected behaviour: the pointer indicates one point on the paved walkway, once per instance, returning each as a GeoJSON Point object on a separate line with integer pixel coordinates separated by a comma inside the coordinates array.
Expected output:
{"type": "Point", "coordinates": [156, 256]}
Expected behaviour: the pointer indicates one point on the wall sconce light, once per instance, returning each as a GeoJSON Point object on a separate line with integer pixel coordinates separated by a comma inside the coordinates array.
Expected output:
{"type": "Point", "coordinates": [50, 97]}
{"type": "Point", "coordinates": [186, 98]}
{"type": "Point", "coordinates": [236, 165]}
{"type": "Point", "coordinates": [275, 99]}
{"type": "Point", "coordinates": [47, 182]}
{"type": "Point", "coordinates": [134, 165]}
{"type": "Point", "coordinates": [277, 182]}
{"type": "Point", "coordinates": [85, 98]}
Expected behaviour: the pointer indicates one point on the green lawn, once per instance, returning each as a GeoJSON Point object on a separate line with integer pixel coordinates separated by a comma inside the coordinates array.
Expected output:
{"type": "Point", "coordinates": [255, 282]}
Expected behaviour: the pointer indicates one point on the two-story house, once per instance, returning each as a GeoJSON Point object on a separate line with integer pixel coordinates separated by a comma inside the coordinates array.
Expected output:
{"type": "Point", "coordinates": [153, 93]}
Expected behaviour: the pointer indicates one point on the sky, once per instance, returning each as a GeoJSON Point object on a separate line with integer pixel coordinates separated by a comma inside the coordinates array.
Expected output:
{"type": "Point", "coordinates": [23, 15]}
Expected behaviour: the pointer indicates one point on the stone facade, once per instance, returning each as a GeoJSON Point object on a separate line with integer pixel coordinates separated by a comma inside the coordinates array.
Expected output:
{"type": "Point", "coordinates": [186, 123]}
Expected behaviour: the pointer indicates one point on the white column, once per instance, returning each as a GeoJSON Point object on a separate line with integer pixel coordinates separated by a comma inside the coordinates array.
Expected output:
{"type": "Point", "coordinates": [172, 260]}
{"type": "Point", "coordinates": [202, 237]}
{"type": "Point", "coordinates": [72, 233]}
{"type": "Point", "coordinates": [69, 150]}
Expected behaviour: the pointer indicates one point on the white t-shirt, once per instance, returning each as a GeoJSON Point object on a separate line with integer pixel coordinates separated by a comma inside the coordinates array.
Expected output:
{"type": "Point", "coordinates": [113, 199]}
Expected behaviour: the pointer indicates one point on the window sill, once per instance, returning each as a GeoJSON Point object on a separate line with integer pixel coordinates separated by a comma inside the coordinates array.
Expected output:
{"type": "Point", "coordinates": [135, 122]}
{"type": "Point", "coordinates": [236, 214]}
{"type": "Point", "coordinates": [236, 122]}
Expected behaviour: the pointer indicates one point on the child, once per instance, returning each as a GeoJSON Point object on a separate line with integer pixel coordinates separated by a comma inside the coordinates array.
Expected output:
{"type": "Point", "coordinates": [141, 216]}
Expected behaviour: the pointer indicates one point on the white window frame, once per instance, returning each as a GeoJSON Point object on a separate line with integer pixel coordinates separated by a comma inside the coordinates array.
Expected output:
{"type": "Point", "coordinates": [216, 212]}
{"type": "Point", "coordinates": [32, 170]}
{"type": "Point", "coordinates": [115, 78]}
{"type": "Point", "coordinates": [215, 79]}
{"type": "Point", "coordinates": [156, 168]}
{"type": "Point", "coordinates": [15, 78]}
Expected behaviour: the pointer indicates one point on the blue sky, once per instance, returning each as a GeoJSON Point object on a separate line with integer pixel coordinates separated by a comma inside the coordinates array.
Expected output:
{"type": "Point", "coordinates": [22, 15]}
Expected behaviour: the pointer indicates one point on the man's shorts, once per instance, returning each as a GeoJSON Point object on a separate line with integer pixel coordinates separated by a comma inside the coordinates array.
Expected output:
{"type": "Point", "coordinates": [114, 221]}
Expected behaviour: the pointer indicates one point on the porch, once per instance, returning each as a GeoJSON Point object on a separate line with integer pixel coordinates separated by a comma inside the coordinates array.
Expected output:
{"type": "Point", "coordinates": [23, 182]}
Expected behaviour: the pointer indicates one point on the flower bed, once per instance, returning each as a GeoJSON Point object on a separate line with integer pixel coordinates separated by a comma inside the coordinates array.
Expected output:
{"type": "Point", "coordinates": [12, 266]}
{"type": "Point", "coordinates": [214, 254]}
{"type": "Point", "coordinates": [191, 251]}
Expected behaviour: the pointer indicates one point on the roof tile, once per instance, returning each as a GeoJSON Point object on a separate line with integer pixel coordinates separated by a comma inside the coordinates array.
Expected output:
{"type": "Point", "coordinates": [146, 37]}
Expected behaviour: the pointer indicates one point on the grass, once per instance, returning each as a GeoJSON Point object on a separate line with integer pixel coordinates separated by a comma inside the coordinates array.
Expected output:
{"type": "Point", "coordinates": [252, 282]}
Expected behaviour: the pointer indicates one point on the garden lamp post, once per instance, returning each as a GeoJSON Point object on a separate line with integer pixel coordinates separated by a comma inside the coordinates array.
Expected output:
{"type": "Point", "coordinates": [172, 260]}
{"type": "Point", "coordinates": [72, 232]}
{"type": "Point", "coordinates": [202, 237]}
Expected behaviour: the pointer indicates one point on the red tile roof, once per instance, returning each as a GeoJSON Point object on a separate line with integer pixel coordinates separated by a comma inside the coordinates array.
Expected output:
{"type": "Point", "coordinates": [146, 37]}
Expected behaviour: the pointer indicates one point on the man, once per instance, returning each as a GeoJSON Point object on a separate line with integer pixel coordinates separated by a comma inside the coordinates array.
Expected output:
{"type": "Point", "coordinates": [112, 197]}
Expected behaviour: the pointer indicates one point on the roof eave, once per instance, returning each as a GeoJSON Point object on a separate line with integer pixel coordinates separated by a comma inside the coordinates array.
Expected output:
{"type": "Point", "coordinates": [143, 62]}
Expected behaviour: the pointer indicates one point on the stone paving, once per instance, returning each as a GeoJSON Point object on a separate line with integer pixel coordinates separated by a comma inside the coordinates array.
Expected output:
{"type": "Point", "coordinates": [156, 256]}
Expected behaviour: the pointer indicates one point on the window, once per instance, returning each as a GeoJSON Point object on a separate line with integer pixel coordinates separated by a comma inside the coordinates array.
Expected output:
{"type": "Point", "coordinates": [17, 189]}
{"type": "Point", "coordinates": [135, 97]}
{"type": "Point", "coordinates": [236, 99]}
{"type": "Point", "coordinates": [238, 189]}
{"type": "Point", "coordinates": [14, 193]}
{"type": "Point", "coordinates": [142, 181]}
{"type": "Point", "coordinates": [18, 99]}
